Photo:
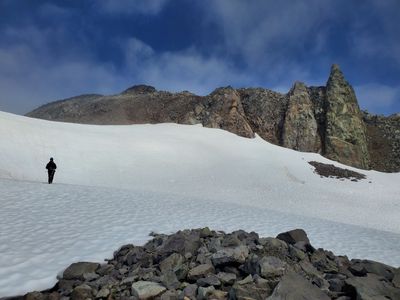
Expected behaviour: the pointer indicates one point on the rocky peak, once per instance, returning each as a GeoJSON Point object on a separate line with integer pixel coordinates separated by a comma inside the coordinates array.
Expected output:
{"type": "Point", "coordinates": [186, 93]}
{"type": "Point", "coordinates": [223, 90]}
{"type": "Point", "coordinates": [395, 115]}
{"type": "Point", "coordinates": [298, 87]}
{"type": "Point", "coordinates": [337, 83]}
{"type": "Point", "coordinates": [336, 75]}
{"type": "Point", "coordinates": [140, 89]}
{"type": "Point", "coordinates": [345, 138]}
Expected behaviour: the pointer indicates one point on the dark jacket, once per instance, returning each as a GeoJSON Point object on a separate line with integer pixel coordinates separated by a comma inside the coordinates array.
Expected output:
{"type": "Point", "coordinates": [51, 166]}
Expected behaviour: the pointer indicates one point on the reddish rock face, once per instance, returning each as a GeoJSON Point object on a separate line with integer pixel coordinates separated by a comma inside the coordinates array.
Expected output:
{"type": "Point", "coordinates": [326, 120]}
{"type": "Point", "coordinates": [226, 112]}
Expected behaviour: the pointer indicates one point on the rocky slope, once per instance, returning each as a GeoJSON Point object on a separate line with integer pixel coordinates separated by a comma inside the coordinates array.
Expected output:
{"type": "Point", "coordinates": [325, 119]}
{"type": "Point", "coordinates": [383, 137]}
{"type": "Point", "coordinates": [204, 264]}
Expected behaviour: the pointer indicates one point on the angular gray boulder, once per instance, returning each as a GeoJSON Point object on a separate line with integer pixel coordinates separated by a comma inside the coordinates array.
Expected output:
{"type": "Point", "coordinates": [233, 255]}
{"type": "Point", "coordinates": [79, 270]}
{"type": "Point", "coordinates": [371, 287]}
{"type": "Point", "coordinates": [295, 287]}
{"type": "Point", "coordinates": [294, 236]}
{"type": "Point", "coordinates": [82, 292]}
{"type": "Point", "coordinates": [147, 290]}
{"type": "Point", "coordinates": [175, 263]}
{"type": "Point", "coordinates": [200, 271]}
{"type": "Point", "coordinates": [363, 267]}
{"type": "Point", "coordinates": [271, 267]}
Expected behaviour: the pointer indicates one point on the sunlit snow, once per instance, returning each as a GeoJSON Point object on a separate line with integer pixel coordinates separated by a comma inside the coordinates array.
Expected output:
{"type": "Point", "coordinates": [115, 184]}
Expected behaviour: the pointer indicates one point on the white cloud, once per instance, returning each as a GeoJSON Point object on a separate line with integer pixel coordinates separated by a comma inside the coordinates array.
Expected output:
{"type": "Point", "coordinates": [31, 74]}
{"type": "Point", "coordinates": [377, 98]}
{"type": "Point", "coordinates": [268, 36]}
{"type": "Point", "coordinates": [52, 10]}
{"type": "Point", "coordinates": [177, 71]}
{"type": "Point", "coordinates": [136, 51]}
{"type": "Point", "coordinates": [264, 36]}
{"type": "Point", "coordinates": [146, 7]}
{"type": "Point", "coordinates": [371, 45]}
{"type": "Point", "coordinates": [374, 48]}
{"type": "Point", "coordinates": [26, 83]}
{"type": "Point", "coordinates": [263, 31]}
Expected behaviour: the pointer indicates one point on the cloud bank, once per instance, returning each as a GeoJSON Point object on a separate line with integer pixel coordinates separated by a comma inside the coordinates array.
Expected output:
{"type": "Point", "coordinates": [60, 49]}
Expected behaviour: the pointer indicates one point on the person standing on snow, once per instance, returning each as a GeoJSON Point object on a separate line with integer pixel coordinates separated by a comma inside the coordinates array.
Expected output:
{"type": "Point", "coordinates": [51, 169]}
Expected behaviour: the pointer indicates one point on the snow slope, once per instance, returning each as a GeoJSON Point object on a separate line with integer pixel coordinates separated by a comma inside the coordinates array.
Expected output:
{"type": "Point", "coordinates": [114, 184]}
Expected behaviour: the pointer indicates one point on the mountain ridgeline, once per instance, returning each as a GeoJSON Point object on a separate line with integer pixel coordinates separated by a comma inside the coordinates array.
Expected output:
{"type": "Point", "coordinates": [325, 119]}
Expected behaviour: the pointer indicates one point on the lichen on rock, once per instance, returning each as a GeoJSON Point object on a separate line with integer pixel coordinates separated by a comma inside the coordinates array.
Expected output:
{"type": "Point", "coordinates": [300, 129]}
{"type": "Point", "coordinates": [345, 138]}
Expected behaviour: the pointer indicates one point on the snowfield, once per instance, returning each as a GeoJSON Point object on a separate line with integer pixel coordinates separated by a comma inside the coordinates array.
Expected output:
{"type": "Point", "coordinates": [115, 184]}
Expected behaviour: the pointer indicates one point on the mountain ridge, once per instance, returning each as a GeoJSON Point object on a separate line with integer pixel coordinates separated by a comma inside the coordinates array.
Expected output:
{"type": "Point", "coordinates": [322, 119]}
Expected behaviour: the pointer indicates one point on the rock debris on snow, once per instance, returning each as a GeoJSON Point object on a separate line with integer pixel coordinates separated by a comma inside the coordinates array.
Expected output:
{"type": "Point", "coordinates": [330, 170]}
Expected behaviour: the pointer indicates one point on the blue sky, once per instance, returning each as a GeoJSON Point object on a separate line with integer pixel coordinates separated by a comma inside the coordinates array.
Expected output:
{"type": "Point", "coordinates": [51, 50]}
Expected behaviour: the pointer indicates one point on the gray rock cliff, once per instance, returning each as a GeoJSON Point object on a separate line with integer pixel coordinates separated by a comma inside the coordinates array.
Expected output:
{"type": "Point", "coordinates": [300, 129]}
{"type": "Point", "coordinates": [345, 133]}
{"type": "Point", "coordinates": [325, 119]}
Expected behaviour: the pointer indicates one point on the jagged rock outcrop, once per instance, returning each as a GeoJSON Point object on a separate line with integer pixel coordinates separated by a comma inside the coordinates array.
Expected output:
{"type": "Point", "coordinates": [205, 264]}
{"type": "Point", "coordinates": [300, 129]}
{"type": "Point", "coordinates": [140, 89]}
{"type": "Point", "coordinates": [225, 110]}
{"type": "Point", "coordinates": [265, 110]}
{"type": "Point", "coordinates": [345, 135]}
{"type": "Point", "coordinates": [321, 119]}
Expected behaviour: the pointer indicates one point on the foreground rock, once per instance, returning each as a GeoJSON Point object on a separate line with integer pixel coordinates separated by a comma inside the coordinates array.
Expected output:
{"type": "Point", "coordinates": [295, 287]}
{"type": "Point", "coordinates": [146, 289]}
{"type": "Point", "coordinates": [80, 271]}
{"type": "Point", "coordinates": [205, 264]}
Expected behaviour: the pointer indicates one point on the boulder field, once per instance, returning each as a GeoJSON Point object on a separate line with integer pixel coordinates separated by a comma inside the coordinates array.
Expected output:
{"type": "Point", "coordinates": [206, 264]}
